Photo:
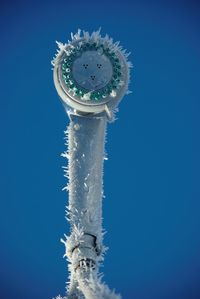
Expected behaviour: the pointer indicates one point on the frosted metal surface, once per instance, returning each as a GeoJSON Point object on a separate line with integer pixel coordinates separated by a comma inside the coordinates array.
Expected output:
{"type": "Point", "coordinates": [92, 70]}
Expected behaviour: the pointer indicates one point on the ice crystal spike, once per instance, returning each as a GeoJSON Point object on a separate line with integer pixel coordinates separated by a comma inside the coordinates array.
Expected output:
{"type": "Point", "coordinates": [91, 75]}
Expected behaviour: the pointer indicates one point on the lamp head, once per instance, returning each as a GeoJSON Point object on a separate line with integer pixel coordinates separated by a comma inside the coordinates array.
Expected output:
{"type": "Point", "coordinates": [91, 73]}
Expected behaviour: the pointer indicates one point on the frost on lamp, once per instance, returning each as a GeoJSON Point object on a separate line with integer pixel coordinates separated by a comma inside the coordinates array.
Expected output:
{"type": "Point", "coordinates": [91, 75]}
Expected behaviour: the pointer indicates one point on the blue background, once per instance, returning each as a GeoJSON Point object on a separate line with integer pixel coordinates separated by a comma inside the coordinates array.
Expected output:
{"type": "Point", "coordinates": [152, 205]}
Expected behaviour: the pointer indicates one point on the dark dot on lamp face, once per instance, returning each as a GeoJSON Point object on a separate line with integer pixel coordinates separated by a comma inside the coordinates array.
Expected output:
{"type": "Point", "coordinates": [92, 70]}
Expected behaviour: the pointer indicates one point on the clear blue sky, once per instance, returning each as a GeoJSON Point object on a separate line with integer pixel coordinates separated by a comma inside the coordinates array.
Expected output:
{"type": "Point", "coordinates": [152, 177]}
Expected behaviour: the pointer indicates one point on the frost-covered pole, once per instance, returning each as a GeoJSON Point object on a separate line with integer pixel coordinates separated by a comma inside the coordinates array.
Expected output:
{"type": "Point", "coordinates": [91, 75]}
{"type": "Point", "coordinates": [85, 168]}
